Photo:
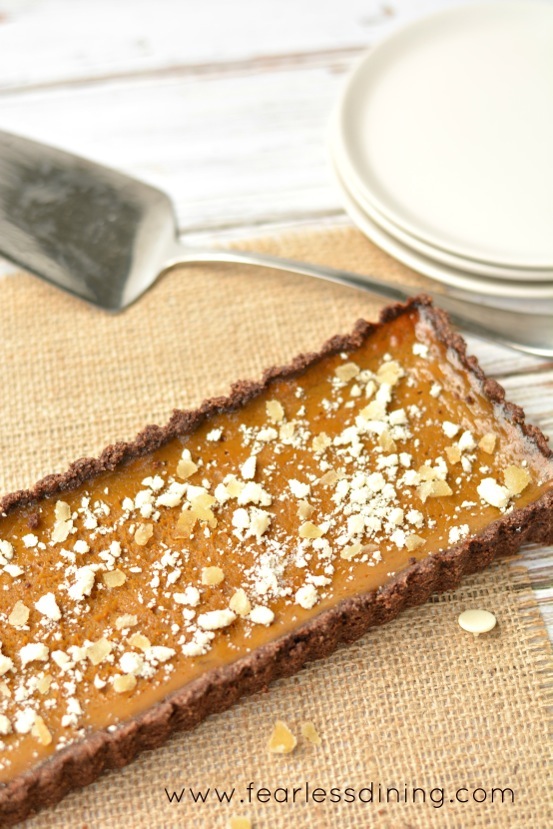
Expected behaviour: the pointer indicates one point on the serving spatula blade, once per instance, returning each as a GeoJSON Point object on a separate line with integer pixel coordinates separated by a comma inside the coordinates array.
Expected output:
{"type": "Point", "coordinates": [89, 229]}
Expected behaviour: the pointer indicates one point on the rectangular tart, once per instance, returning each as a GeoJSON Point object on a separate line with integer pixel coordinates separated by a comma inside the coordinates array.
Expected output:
{"type": "Point", "coordinates": [155, 585]}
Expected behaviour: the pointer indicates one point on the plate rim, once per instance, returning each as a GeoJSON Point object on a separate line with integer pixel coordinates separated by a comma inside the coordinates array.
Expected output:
{"type": "Point", "coordinates": [438, 254]}
{"type": "Point", "coordinates": [383, 45]}
{"type": "Point", "coordinates": [434, 270]}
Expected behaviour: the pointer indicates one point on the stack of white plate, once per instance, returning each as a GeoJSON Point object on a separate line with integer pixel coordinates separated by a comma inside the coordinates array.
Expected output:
{"type": "Point", "coordinates": [443, 147]}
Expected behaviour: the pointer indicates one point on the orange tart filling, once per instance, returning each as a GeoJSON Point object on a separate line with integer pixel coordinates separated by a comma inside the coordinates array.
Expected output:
{"type": "Point", "coordinates": [327, 484]}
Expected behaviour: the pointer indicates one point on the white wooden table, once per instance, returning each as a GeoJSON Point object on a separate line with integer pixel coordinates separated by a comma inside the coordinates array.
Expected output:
{"type": "Point", "coordinates": [224, 105]}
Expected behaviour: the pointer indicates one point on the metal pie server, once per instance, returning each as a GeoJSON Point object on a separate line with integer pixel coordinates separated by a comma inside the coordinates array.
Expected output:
{"type": "Point", "coordinates": [106, 238]}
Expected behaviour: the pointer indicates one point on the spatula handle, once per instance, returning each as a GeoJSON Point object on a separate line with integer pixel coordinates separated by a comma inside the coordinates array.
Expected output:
{"type": "Point", "coordinates": [530, 333]}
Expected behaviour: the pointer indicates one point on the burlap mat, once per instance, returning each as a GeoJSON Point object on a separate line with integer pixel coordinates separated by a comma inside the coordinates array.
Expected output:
{"type": "Point", "coordinates": [414, 704]}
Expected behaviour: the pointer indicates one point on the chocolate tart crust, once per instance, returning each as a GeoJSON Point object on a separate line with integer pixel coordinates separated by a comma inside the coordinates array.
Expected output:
{"type": "Point", "coordinates": [83, 762]}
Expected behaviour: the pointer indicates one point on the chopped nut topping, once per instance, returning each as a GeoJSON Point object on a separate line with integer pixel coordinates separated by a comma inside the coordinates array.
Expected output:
{"type": "Point", "coordinates": [287, 432]}
{"type": "Point", "coordinates": [420, 350]}
{"type": "Point", "coordinates": [260, 521]}
{"type": "Point", "coordinates": [309, 731]}
{"type": "Point", "coordinates": [173, 496]}
{"type": "Point", "coordinates": [99, 650]}
{"type": "Point", "coordinates": [386, 441]}
{"type": "Point", "coordinates": [241, 519]}
{"type": "Point", "coordinates": [131, 663]}
{"type": "Point", "coordinates": [212, 575]}
{"type": "Point", "coordinates": [41, 732]}
{"type": "Point", "coordinates": [305, 510]}
{"type": "Point", "coordinates": [390, 373]}
{"type": "Point", "coordinates": [114, 578]}
{"type": "Point", "coordinates": [477, 621]}
{"type": "Point", "coordinates": [62, 511]}
{"type": "Point", "coordinates": [200, 505]}
{"type": "Point", "coordinates": [186, 522]}
{"type": "Point", "coordinates": [310, 530]}
{"type": "Point", "coordinates": [159, 653]}
{"type": "Point", "coordinates": [453, 454]}
{"type": "Point", "coordinates": [122, 683]}
{"type": "Point", "coordinates": [137, 640]}
{"type": "Point", "coordinates": [351, 551]}
{"type": "Point", "coordinates": [281, 741]}
{"type": "Point", "coordinates": [186, 466]}
{"type": "Point", "coordinates": [214, 435]}
{"type": "Point", "coordinates": [347, 372]}
{"type": "Point", "coordinates": [329, 478]}
{"type": "Point", "coordinates": [321, 442]}
{"type": "Point", "coordinates": [19, 616]}
{"type": "Point", "coordinates": [30, 540]}
{"type": "Point", "coordinates": [43, 683]}
{"type": "Point", "coordinates": [466, 442]}
{"type": "Point", "coordinates": [413, 541]}
{"type": "Point", "coordinates": [434, 489]}
{"type": "Point", "coordinates": [376, 410]}
{"type": "Point", "coordinates": [253, 493]}
{"type": "Point", "coordinates": [63, 524]}
{"type": "Point", "coordinates": [61, 659]}
{"type": "Point", "coordinates": [275, 410]}
{"type": "Point", "coordinates": [240, 603]}
{"type": "Point", "coordinates": [239, 822]}
{"type": "Point", "coordinates": [487, 443]}
{"type": "Point", "coordinates": [127, 620]}
{"type": "Point", "coordinates": [516, 479]}
{"type": "Point", "coordinates": [24, 721]}
{"type": "Point", "coordinates": [143, 534]}
{"type": "Point", "coordinates": [191, 596]}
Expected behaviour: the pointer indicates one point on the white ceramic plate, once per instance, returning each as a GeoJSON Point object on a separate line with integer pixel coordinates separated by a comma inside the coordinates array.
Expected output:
{"type": "Point", "coordinates": [479, 286]}
{"type": "Point", "coordinates": [481, 269]}
{"type": "Point", "coordinates": [447, 127]}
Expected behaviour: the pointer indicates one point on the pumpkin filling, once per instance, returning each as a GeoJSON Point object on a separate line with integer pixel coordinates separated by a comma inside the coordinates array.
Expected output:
{"type": "Point", "coordinates": [326, 485]}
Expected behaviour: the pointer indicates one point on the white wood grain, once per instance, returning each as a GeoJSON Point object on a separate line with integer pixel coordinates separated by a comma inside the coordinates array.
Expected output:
{"type": "Point", "coordinates": [60, 41]}
{"type": "Point", "coordinates": [230, 150]}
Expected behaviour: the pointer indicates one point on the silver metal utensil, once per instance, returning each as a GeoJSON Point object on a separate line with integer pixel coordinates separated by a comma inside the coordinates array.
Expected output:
{"type": "Point", "coordinates": [107, 237]}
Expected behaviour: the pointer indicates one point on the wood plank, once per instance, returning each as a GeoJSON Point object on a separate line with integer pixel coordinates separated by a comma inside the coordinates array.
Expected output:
{"type": "Point", "coordinates": [229, 150]}
{"type": "Point", "coordinates": [61, 41]}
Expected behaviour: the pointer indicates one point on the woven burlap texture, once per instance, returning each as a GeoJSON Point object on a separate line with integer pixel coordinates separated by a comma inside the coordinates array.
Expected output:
{"type": "Point", "coordinates": [416, 703]}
